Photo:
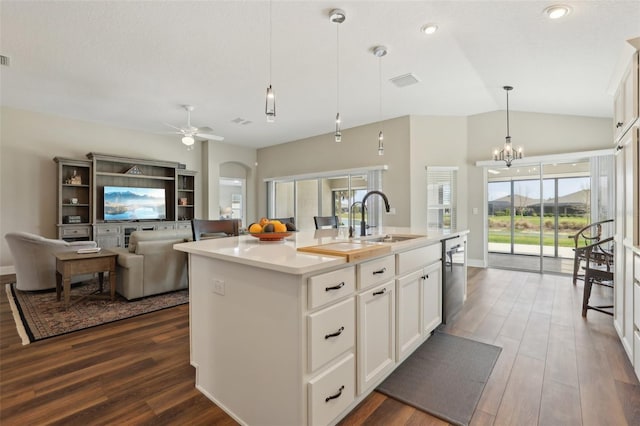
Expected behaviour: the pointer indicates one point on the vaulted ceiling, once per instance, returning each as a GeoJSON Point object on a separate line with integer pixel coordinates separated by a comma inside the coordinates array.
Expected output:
{"type": "Point", "coordinates": [132, 64]}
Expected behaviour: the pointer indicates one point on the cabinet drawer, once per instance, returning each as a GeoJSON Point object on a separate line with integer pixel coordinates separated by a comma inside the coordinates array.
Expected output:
{"type": "Point", "coordinates": [331, 286]}
{"type": "Point", "coordinates": [331, 392]}
{"type": "Point", "coordinates": [413, 259]}
{"type": "Point", "coordinates": [636, 267]}
{"type": "Point", "coordinates": [331, 332]}
{"type": "Point", "coordinates": [183, 225]}
{"type": "Point", "coordinates": [164, 226]}
{"type": "Point", "coordinates": [376, 271]}
{"type": "Point", "coordinates": [76, 231]}
{"type": "Point", "coordinates": [108, 229]}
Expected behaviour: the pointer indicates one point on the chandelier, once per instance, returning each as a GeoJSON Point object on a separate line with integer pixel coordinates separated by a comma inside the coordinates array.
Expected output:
{"type": "Point", "coordinates": [507, 153]}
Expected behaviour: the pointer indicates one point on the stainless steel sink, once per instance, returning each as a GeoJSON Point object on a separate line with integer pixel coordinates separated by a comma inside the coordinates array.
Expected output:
{"type": "Point", "coordinates": [391, 238]}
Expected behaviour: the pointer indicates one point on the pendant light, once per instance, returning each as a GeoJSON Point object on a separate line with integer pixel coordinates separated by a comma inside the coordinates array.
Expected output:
{"type": "Point", "coordinates": [337, 16]}
{"type": "Point", "coordinates": [270, 102]}
{"type": "Point", "coordinates": [379, 52]}
{"type": "Point", "coordinates": [507, 154]}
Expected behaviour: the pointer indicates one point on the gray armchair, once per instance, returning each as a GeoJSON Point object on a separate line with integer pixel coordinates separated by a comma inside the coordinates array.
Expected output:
{"type": "Point", "coordinates": [150, 265]}
{"type": "Point", "coordinates": [34, 259]}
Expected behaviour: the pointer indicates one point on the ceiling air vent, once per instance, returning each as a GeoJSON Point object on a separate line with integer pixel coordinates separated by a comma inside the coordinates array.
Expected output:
{"type": "Point", "coordinates": [4, 60]}
{"type": "Point", "coordinates": [405, 80]}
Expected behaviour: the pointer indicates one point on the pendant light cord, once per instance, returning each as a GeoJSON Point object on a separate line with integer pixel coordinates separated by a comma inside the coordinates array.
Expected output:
{"type": "Point", "coordinates": [507, 113]}
{"type": "Point", "coordinates": [338, 67]}
{"type": "Point", "coordinates": [270, 42]}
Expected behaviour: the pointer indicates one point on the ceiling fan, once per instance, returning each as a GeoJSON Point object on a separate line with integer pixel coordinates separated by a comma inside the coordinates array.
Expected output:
{"type": "Point", "coordinates": [189, 132]}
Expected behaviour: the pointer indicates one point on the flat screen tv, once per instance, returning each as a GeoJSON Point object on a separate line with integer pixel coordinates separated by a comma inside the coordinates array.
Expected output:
{"type": "Point", "coordinates": [131, 203]}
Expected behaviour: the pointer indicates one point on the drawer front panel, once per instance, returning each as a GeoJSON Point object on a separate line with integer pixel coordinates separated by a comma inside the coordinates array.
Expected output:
{"type": "Point", "coordinates": [636, 267]}
{"type": "Point", "coordinates": [331, 393]}
{"type": "Point", "coordinates": [331, 286]}
{"type": "Point", "coordinates": [331, 333]}
{"type": "Point", "coordinates": [72, 232]}
{"type": "Point", "coordinates": [165, 226]}
{"type": "Point", "coordinates": [376, 271]}
{"type": "Point", "coordinates": [107, 229]}
{"type": "Point", "coordinates": [413, 259]}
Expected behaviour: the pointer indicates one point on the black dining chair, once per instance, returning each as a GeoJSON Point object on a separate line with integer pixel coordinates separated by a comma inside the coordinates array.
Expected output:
{"type": "Point", "coordinates": [205, 229]}
{"type": "Point", "coordinates": [326, 221]}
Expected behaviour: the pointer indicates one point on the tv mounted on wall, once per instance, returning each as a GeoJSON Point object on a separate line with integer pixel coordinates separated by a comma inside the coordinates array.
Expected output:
{"type": "Point", "coordinates": [131, 203]}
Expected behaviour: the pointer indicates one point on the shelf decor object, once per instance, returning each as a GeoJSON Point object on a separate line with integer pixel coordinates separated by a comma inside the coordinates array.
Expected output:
{"type": "Point", "coordinates": [507, 154]}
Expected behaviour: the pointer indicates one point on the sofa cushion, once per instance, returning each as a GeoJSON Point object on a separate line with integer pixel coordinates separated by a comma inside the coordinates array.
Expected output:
{"type": "Point", "coordinates": [160, 235]}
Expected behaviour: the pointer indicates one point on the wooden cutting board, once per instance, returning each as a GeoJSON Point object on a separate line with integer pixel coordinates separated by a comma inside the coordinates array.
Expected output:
{"type": "Point", "coordinates": [352, 251]}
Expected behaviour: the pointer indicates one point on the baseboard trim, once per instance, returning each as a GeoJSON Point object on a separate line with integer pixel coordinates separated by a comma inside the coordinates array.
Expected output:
{"type": "Point", "coordinates": [476, 263]}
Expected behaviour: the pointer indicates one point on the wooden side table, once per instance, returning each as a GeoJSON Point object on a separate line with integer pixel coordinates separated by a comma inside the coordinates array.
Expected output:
{"type": "Point", "coordinates": [71, 263]}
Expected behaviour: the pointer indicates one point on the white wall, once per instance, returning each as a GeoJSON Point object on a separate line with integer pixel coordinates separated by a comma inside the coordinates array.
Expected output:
{"type": "Point", "coordinates": [359, 148]}
{"type": "Point", "coordinates": [214, 154]}
{"type": "Point", "coordinates": [437, 141]}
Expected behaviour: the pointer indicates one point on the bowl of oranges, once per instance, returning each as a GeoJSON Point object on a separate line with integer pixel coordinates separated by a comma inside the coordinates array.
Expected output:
{"type": "Point", "coordinates": [271, 229]}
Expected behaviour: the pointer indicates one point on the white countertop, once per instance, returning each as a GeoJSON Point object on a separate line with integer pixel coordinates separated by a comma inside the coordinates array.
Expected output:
{"type": "Point", "coordinates": [283, 256]}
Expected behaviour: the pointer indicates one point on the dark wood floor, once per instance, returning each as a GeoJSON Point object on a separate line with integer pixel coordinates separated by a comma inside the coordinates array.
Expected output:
{"type": "Point", "coordinates": [555, 367]}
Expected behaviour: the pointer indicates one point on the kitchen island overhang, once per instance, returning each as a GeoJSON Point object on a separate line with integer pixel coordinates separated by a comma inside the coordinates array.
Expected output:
{"type": "Point", "coordinates": [253, 318]}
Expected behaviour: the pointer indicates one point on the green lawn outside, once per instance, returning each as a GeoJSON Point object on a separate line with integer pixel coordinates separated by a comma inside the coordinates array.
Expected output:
{"type": "Point", "coordinates": [527, 229]}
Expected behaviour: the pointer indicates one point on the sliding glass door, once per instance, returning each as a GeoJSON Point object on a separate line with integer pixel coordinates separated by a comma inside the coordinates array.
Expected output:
{"type": "Point", "coordinates": [534, 210]}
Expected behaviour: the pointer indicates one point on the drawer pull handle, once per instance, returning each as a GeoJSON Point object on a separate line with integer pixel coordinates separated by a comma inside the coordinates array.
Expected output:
{"type": "Point", "coordinates": [336, 334]}
{"type": "Point", "coordinates": [425, 277]}
{"type": "Point", "coordinates": [377, 293]}
{"type": "Point", "coordinates": [329, 398]}
{"type": "Point", "coordinates": [380, 271]}
{"type": "Point", "coordinates": [619, 124]}
{"type": "Point", "coordinates": [335, 287]}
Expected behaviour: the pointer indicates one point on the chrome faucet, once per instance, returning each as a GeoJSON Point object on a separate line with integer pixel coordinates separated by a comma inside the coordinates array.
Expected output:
{"type": "Point", "coordinates": [363, 225]}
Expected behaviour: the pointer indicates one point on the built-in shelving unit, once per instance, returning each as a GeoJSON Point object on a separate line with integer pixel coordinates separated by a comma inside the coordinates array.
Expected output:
{"type": "Point", "coordinates": [81, 186]}
{"type": "Point", "coordinates": [74, 195]}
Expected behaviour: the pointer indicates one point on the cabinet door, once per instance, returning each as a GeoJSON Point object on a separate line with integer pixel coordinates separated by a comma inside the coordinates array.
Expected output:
{"type": "Point", "coordinates": [409, 326]}
{"type": "Point", "coordinates": [431, 297]}
{"type": "Point", "coordinates": [376, 334]}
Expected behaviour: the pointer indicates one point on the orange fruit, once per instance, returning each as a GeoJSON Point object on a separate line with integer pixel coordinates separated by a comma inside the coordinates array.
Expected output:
{"type": "Point", "coordinates": [263, 221]}
{"type": "Point", "coordinates": [255, 228]}
{"type": "Point", "coordinates": [279, 227]}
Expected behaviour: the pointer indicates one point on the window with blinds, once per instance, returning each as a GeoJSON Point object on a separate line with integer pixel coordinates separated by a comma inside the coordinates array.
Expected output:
{"type": "Point", "coordinates": [442, 194]}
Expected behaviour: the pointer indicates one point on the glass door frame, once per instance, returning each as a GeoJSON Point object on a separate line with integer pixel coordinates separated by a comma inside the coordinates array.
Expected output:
{"type": "Point", "coordinates": [537, 161]}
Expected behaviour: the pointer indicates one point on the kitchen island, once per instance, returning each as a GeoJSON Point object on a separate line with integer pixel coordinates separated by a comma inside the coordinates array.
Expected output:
{"type": "Point", "coordinates": [284, 337]}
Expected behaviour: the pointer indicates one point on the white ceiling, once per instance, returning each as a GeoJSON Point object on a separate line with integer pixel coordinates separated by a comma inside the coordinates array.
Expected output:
{"type": "Point", "coordinates": [132, 64]}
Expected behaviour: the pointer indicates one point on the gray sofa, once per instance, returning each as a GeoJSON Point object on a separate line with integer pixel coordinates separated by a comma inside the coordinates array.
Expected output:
{"type": "Point", "coordinates": [34, 260]}
{"type": "Point", "coordinates": [150, 265]}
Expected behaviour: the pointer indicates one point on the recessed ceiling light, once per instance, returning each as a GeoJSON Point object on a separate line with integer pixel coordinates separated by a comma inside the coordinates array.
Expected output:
{"type": "Point", "coordinates": [557, 11]}
{"type": "Point", "coordinates": [429, 28]}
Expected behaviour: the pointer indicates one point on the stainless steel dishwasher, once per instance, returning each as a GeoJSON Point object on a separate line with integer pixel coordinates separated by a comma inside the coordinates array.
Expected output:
{"type": "Point", "coordinates": [454, 275]}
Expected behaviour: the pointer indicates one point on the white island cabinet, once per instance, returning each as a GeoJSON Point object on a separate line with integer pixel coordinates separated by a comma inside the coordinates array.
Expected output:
{"type": "Point", "coordinates": [282, 337]}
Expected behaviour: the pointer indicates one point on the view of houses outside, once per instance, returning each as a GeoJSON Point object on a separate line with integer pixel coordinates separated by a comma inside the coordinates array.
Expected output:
{"type": "Point", "coordinates": [517, 212]}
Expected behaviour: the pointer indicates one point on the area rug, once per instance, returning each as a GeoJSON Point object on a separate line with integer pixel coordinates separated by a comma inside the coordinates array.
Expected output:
{"type": "Point", "coordinates": [38, 315]}
{"type": "Point", "coordinates": [444, 377]}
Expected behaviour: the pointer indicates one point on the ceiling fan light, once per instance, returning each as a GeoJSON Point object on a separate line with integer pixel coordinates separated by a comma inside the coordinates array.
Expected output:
{"type": "Point", "coordinates": [188, 140]}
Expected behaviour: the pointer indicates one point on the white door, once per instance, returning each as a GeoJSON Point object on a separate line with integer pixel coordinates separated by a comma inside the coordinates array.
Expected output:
{"type": "Point", "coordinates": [431, 297]}
{"type": "Point", "coordinates": [376, 336]}
{"type": "Point", "coordinates": [408, 328]}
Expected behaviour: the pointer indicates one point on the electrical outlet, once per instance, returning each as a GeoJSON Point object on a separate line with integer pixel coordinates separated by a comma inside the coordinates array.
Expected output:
{"type": "Point", "coordinates": [475, 210]}
{"type": "Point", "coordinates": [218, 287]}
